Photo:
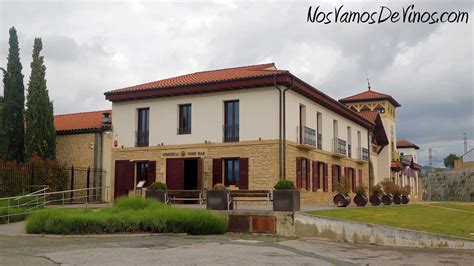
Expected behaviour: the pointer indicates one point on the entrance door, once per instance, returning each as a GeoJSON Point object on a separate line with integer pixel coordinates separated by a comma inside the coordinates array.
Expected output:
{"type": "Point", "coordinates": [175, 173]}
{"type": "Point", "coordinates": [124, 177]}
{"type": "Point", "coordinates": [191, 174]}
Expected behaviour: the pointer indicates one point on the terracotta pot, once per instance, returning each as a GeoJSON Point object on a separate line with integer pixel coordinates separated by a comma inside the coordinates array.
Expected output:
{"type": "Point", "coordinates": [286, 200]}
{"type": "Point", "coordinates": [341, 200]}
{"type": "Point", "coordinates": [405, 199]}
{"type": "Point", "coordinates": [397, 199]}
{"type": "Point", "coordinates": [375, 200]}
{"type": "Point", "coordinates": [387, 199]}
{"type": "Point", "coordinates": [361, 200]}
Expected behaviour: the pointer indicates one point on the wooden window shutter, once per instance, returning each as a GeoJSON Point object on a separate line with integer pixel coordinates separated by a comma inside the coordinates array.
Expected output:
{"type": "Point", "coordinates": [151, 177]}
{"type": "Point", "coordinates": [346, 178]}
{"type": "Point", "coordinates": [298, 172]}
{"type": "Point", "coordinates": [216, 171]}
{"type": "Point", "coordinates": [315, 176]}
{"type": "Point", "coordinates": [244, 173]}
{"type": "Point", "coordinates": [361, 177]}
{"type": "Point", "coordinates": [325, 179]}
{"type": "Point", "coordinates": [353, 179]}
{"type": "Point", "coordinates": [308, 174]}
{"type": "Point", "coordinates": [333, 175]}
{"type": "Point", "coordinates": [175, 173]}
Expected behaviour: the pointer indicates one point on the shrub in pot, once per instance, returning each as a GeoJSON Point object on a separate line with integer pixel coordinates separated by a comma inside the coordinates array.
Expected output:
{"type": "Point", "coordinates": [388, 188]}
{"type": "Point", "coordinates": [361, 198]}
{"type": "Point", "coordinates": [406, 190]}
{"type": "Point", "coordinates": [397, 195]}
{"type": "Point", "coordinates": [375, 198]}
{"type": "Point", "coordinates": [342, 199]}
{"type": "Point", "coordinates": [217, 198]}
{"type": "Point", "coordinates": [286, 197]}
{"type": "Point", "coordinates": [156, 191]}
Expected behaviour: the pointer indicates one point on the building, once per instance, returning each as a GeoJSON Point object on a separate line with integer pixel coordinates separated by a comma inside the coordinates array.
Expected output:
{"type": "Point", "coordinates": [389, 159]}
{"type": "Point", "coordinates": [245, 127]}
{"type": "Point", "coordinates": [466, 161]}
{"type": "Point", "coordinates": [84, 140]}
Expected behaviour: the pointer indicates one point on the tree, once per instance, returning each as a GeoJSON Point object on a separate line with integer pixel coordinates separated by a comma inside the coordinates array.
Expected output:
{"type": "Point", "coordinates": [40, 135]}
{"type": "Point", "coordinates": [14, 100]}
{"type": "Point", "coordinates": [449, 160]}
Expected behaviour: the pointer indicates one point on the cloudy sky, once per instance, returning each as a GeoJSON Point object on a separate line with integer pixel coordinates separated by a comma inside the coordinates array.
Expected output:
{"type": "Point", "coordinates": [94, 46]}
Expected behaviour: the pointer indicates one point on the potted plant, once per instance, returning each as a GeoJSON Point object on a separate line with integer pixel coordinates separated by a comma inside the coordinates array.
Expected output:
{"type": "Point", "coordinates": [406, 190]}
{"type": "Point", "coordinates": [286, 197]}
{"type": "Point", "coordinates": [360, 198]}
{"type": "Point", "coordinates": [388, 188]}
{"type": "Point", "coordinates": [397, 194]}
{"type": "Point", "coordinates": [342, 199]}
{"type": "Point", "coordinates": [218, 198]}
{"type": "Point", "coordinates": [156, 191]}
{"type": "Point", "coordinates": [375, 199]}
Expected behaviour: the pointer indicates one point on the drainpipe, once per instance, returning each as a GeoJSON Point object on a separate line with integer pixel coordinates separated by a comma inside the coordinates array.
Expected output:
{"type": "Point", "coordinates": [279, 126]}
{"type": "Point", "coordinates": [284, 126]}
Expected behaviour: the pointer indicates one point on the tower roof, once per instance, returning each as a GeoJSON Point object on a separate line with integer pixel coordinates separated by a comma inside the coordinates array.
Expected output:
{"type": "Point", "coordinates": [368, 96]}
{"type": "Point", "coordinates": [403, 143]}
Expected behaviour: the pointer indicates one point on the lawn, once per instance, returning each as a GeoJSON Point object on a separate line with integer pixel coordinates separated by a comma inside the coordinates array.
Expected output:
{"type": "Point", "coordinates": [440, 218]}
{"type": "Point", "coordinates": [128, 215]}
{"type": "Point", "coordinates": [16, 213]}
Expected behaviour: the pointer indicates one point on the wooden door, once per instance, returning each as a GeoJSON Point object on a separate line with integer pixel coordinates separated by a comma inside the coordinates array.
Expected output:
{"type": "Point", "coordinates": [124, 178]}
{"type": "Point", "coordinates": [175, 173]}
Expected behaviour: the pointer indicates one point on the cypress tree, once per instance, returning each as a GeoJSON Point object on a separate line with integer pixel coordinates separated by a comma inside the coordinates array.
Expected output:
{"type": "Point", "coordinates": [14, 100]}
{"type": "Point", "coordinates": [40, 136]}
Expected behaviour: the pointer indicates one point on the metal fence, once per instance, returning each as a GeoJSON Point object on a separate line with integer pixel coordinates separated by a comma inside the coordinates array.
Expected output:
{"type": "Point", "coordinates": [21, 179]}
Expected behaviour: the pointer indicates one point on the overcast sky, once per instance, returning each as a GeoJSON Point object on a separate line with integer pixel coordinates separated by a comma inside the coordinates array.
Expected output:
{"type": "Point", "coordinates": [94, 46]}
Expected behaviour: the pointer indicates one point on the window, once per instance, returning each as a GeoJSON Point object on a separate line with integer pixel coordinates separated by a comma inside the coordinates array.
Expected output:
{"type": "Point", "coordinates": [231, 170]}
{"type": "Point", "coordinates": [304, 170]}
{"type": "Point", "coordinates": [349, 142]}
{"type": "Point", "coordinates": [142, 172]}
{"type": "Point", "coordinates": [335, 129]}
{"type": "Point", "coordinates": [231, 121]}
{"type": "Point", "coordinates": [319, 129]}
{"type": "Point", "coordinates": [142, 127]}
{"type": "Point", "coordinates": [184, 119]}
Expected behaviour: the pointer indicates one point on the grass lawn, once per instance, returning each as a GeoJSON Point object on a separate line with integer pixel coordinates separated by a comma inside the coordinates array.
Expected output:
{"type": "Point", "coordinates": [442, 218]}
{"type": "Point", "coordinates": [129, 214]}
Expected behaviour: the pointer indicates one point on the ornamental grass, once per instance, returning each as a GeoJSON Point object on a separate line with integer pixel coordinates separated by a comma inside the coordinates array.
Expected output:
{"type": "Point", "coordinates": [128, 215]}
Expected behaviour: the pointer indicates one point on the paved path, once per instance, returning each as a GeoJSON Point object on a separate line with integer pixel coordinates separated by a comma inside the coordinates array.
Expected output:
{"type": "Point", "coordinates": [235, 249]}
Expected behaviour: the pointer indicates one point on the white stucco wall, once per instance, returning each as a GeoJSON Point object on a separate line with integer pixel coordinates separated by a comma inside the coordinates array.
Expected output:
{"type": "Point", "coordinates": [258, 117]}
{"type": "Point", "coordinates": [294, 100]}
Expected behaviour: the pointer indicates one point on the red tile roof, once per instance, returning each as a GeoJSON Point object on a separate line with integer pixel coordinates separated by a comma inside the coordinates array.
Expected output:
{"type": "Point", "coordinates": [403, 143]}
{"type": "Point", "coordinates": [369, 95]}
{"type": "Point", "coordinates": [369, 115]}
{"type": "Point", "coordinates": [79, 122]}
{"type": "Point", "coordinates": [227, 74]}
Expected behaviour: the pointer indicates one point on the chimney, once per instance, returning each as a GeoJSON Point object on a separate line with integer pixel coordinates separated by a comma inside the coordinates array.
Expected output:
{"type": "Point", "coordinates": [106, 120]}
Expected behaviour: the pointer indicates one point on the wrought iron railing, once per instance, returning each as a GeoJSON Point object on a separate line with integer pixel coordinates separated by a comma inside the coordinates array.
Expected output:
{"type": "Point", "coordinates": [141, 138]}
{"type": "Point", "coordinates": [363, 154]}
{"type": "Point", "coordinates": [339, 146]}
{"type": "Point", "coordinates": [306, 136]}
{"type": "Point", "coordinates": [349, 150]}
{"type": "Point", "coordinates": [231, 133]}
{"type": "Point", "coordinates": [184, 130]}
{"type": "Point", "coordinates": [320, 141]}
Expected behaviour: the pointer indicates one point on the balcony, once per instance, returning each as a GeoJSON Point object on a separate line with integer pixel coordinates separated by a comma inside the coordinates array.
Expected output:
{"type": "Point", "coordinates": [349, 150]}
{"type": "Point", "coordinates": [141, 138]}
{"type": "Point", "coordinates": [339, 148]}
{"type": "Point", "coordinates": [231, 133]}
{"type": "Point", "coordinates": [362, 155]}
{"type": "Point", "coordinates": [306, 138]}
{"type": "Point", "coordinates": [184, 130]}
{"type": "Point", "coordinates": [320, 141]}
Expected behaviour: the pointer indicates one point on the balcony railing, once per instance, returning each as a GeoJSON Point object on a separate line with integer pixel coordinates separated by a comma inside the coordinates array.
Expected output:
{"type": "Point", "coordinates": [141, 138]}
{"type": "Point", "coordinates": [306, 136]}
{"type": "Point", "coordinates": [339, 146]}
{"type": "Point", "coordinates": [363, 154]}
{"type": "Point", "coordinates": [320, 141]}
{"type": "Point", "coordinates": [349, 150]}
{"type": "Point", "coordinates": [184, 130]}
{"type": "Point", "coordinates": [231, 133]}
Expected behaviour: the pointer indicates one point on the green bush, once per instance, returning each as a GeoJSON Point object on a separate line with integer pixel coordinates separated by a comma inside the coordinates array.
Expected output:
{"type": "Point", "coordinates": [157, 186]}
{"type": "Point", "coordinates": [284, 185]}
{"type": "Point", "coordinates": [129, 214]}
{"type": "Point", "coordinates": [377, 190]}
